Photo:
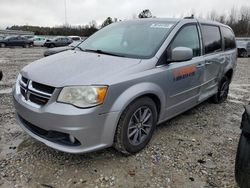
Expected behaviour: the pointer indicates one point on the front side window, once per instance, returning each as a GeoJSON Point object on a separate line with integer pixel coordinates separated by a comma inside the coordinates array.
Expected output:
{"type": "Point", "coordinates": [136, 39]}
{"type": "Point", "coordinates": [229, 39]}
{"type": "Point", "coordinates": [211, 38]}
{"type": "Point", "coordinates": [187, 37]}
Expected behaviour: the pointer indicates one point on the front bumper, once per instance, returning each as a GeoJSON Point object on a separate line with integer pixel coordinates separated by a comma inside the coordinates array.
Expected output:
{"type": "Point", "coordinates": [90, 127]}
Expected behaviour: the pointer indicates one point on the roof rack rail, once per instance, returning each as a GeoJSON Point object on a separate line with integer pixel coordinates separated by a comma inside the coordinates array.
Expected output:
{"type": "Point", "coordinates": [189, 17]}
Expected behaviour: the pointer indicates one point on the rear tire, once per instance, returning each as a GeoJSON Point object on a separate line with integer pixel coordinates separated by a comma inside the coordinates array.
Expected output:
{"type": "Point", "coordinates": [242, 162]}
{"type": "Point", "coordinates": [136, 126]}
{"type": "Point", "coordinates": [2, 45]}
{"type": "Point", "coordinates": [244, 54]}
{"type": "Point", "coordinates": [222, 93]}
{"type": "Point", "coordinates": [26, 46]}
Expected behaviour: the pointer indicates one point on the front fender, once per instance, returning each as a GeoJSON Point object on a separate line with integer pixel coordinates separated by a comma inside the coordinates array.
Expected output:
{"type": "Point", "coordinates": [128, 96]}
{"type": "Point", "coordinates": [136, 91]}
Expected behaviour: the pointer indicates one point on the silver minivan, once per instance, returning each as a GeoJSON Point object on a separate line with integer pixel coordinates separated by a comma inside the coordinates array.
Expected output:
{"type": "Point", "coordinates": [116, 86]}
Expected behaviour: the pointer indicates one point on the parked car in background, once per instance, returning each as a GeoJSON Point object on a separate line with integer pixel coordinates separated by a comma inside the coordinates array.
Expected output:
{"type": "Point", "coordinates": [16, 41]}
{"type": "Point", "coordinates": [242, 164]}
{"type": "Point", "coordinates": [28, 36]}
{"type": "Point", "coordinates": [124, 80]}
{"type": "Point", "coordinates": [75, 38]}
{"type": "Point", "coordinates": [58, 41]}
{"type": "Point", "coordinates": [38, 41]}
{"type": "Point", "coordinates": [56, 50]}
{"type": "Point", "coordinates": [243, 47]}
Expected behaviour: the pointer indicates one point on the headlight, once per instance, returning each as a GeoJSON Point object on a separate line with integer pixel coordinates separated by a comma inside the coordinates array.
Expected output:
{"type": "Point", "coordinates": [83, 96]}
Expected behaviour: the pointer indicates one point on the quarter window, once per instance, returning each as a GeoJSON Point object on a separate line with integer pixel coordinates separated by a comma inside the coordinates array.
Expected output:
{"type": "Point", "coordinates": [211, 38]}
{"type": "Point", "coordinates": [187, 37]}
{"type": "Point", "coordinates": [229, 39]}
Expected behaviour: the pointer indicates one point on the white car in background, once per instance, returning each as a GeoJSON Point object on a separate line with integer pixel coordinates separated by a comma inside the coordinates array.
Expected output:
{"type": "Point", "coordinates": [75, 38]}
{"type": "Point", "coordinates": [39, 41]}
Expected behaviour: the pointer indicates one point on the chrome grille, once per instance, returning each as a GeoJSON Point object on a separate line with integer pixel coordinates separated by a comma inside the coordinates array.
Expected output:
{"type": "Point", "coordinates": [35, 92]}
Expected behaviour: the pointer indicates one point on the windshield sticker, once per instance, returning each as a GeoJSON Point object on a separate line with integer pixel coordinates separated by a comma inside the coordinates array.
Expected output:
{"type": "Point", "coordinates": [161, 26]}
{"type": "Point", "coordinates": [185, 72]}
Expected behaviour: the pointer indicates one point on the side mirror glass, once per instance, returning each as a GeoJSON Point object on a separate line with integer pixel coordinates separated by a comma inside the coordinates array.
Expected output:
{"type": "Point", "coordinates": [181, 54]}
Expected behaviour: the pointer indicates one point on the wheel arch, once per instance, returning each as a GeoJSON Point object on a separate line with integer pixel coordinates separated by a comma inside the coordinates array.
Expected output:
{"type": "Point", "coordinates": [229, 74]}
{"type": "Point", "coordinates": [151, 90]}
{"type": "Point", "coordinates": [133, 93]}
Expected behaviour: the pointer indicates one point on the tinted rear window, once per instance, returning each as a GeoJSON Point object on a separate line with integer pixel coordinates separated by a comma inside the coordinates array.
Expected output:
{"type": "Point", "coordinates": [229, 39]}
{"type": "Point", "coordinates": [211, 38]}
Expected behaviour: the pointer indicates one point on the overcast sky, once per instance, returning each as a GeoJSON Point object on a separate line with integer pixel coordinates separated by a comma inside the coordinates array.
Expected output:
{"type": "Point", "coordinates": [80, 12]}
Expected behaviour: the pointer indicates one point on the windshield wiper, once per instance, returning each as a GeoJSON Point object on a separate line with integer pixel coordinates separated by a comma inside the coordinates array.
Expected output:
{"type": "Point", "coordinates": [102, 52]}
{"type": "Point", "coordinates": [78, 47]}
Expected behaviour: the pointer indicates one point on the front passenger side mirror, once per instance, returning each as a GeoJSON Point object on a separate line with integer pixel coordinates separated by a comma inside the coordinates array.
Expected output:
{"type": "Point", "coordinates": [181, 54]}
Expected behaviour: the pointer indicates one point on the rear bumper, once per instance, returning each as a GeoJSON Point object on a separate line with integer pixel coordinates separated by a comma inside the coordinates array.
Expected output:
{"type": "Point", "coordinates": [93, 130]}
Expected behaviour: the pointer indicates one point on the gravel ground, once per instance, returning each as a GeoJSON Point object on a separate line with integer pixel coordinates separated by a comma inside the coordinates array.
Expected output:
{"type": "Point", "coordinates": [195, 149]}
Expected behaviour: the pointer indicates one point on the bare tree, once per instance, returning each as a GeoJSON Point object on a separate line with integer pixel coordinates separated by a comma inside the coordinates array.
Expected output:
{"type": "Point", "coordinates": [213, 16]}
{"type": "Point", "coordinates": [233, 16]}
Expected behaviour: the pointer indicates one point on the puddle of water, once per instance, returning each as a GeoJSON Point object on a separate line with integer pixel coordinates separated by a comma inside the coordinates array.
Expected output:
{"type": "Point", "coordinates": [235, 96]}
{"type": "Point", "coordinates": [24, 144]}
{"type": "Point", "coordinates": [10, 147]}
{"type": "Point", "coordinates": [17, 145]}
{"type": "Point", "coordinates": [235, 101]}
{"type": "Point", "coordinates": [240, 85]}
{"type": "Point", "coordinates": [6, 91]}
{"type": "Point", "coordinates": [240, 90]}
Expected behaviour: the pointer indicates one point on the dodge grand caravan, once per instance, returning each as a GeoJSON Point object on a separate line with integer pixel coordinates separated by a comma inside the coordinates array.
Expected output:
{"type": "Point", "coordinates": [116, 86]}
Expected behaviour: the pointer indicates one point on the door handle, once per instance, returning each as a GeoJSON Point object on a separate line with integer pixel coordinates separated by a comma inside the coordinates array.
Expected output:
{"type": "Point", "coordinates": [208, 63]}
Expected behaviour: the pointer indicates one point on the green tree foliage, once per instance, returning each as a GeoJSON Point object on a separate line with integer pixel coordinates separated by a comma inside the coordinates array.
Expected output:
{"type": "Point", "coordinates": [63, 31]}
{"type": "Point", "coordinates": [145, 14]}
{"type": "Point", "coordinates": [107, 22]}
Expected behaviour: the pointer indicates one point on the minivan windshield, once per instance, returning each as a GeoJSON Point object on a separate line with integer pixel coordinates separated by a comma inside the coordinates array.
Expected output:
{"type": "Point", "coordinates": [134, 39]}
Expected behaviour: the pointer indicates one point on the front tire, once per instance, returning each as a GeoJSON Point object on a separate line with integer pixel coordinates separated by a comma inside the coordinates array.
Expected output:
{"type": "Point", "coordinates": [223, 90]}
{"type": "Point", "coordinates": [136, 126]}
{"type": "Point", "coordinates": [242, 163]}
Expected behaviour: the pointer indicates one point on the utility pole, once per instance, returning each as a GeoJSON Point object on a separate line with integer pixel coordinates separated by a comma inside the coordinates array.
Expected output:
{"type": "Point", "coordinates": [248, 23]}
{"type": "Point", "coordinates": [65, 12]}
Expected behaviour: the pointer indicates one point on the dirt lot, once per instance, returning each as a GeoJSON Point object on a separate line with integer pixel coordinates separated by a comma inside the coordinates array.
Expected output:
{"type": "Point", "coordinates": [195, 149]}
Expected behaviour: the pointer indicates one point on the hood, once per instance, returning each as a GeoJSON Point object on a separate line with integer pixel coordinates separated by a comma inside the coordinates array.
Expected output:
{"type": "Point", "coordinates": [60, 49]}
{"type": "Point", "coordinates": [77, 68]}
{"type": "Point", "coordinates": [57, 50]}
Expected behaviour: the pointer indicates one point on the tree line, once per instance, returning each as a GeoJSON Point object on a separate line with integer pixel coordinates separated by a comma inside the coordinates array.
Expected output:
{"type": "Point", "coordinates": [237, 19]}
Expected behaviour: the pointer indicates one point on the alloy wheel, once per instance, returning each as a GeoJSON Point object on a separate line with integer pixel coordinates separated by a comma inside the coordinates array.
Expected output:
{"type": "Point", "coordinates": [140, 125]}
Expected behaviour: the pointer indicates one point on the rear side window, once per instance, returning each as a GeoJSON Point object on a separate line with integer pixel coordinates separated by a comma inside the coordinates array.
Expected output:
{"type": "Point", "coordinates": [187, 37]}
{"type": "Point", "coordinates": [229, 39]}
{"type": "Point", "coordinates": [211, 38]}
